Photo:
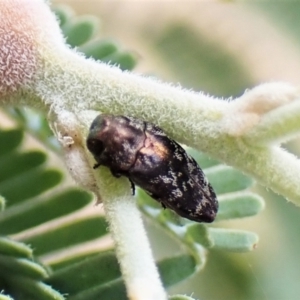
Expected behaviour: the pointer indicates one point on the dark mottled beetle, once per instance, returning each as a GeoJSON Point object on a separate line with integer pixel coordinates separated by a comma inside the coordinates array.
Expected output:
{"type": "Point", "coordinates": [142, 152]}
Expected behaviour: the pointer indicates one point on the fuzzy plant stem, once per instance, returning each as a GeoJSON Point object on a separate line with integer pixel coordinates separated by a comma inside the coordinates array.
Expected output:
{"type": "Point", "coordinates": [126, 227]}
{"type": "Point", "coordinates": [280, 125]}
{"type": "Point", "coordinates": [132, 246]}
{"type": "Point", "coordinates": [41, 71]}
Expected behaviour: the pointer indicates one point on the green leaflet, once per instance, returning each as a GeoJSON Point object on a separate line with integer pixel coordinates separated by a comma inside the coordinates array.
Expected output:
{"type": "Point", "coordinates": [25, 288]}
{"type": "Point", "coordinates": [239, 205]}
{"type": "Point", "coordinates": [181, 297]}
{"type": "Point", "coordinates": [5, 297]}
{"type": "Point", "coordinates": [99, 48]}
{"type": "Point", "coordinates": [43, 208]}
{"type": "Point", "coordinates": [14, 249]}
{"type": "Point", "coordinates": [67, 234]}
{"type": "Point", "coordinates": [80, 29]}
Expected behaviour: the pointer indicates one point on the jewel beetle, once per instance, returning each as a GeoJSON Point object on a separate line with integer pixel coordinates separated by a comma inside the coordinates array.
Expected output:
{"type": "Point", "coordinates": [143, 153]}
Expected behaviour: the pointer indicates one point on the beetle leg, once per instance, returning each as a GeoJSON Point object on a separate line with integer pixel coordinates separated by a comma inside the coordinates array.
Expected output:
{"type": "Point", "coordinates": [132, 187]}
{"type": "Point", "coordinates": [115, 173]}
{"type": "Point", "coordinates": [97, 165]}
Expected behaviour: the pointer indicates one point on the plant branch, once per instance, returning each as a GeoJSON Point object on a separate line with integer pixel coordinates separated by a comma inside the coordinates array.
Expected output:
{"type": "Point", "coordinates": [63, 80]}
{"type": "Point", "coordinates": [277, 126]}
{"type": "Point", "coordinates": [132, 246]}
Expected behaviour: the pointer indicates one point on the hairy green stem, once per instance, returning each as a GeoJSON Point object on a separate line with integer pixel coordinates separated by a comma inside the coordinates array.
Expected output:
{"type": "Point", "coordinates": [277, 126]}
{"type": "Point", "coordinates": [191, 118]}
{"type": "Point", "coordinates": [132, 246]}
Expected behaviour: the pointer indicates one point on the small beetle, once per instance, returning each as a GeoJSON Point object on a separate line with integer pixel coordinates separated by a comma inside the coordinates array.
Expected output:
{"type": "Point", "coordinates": [143, 153]}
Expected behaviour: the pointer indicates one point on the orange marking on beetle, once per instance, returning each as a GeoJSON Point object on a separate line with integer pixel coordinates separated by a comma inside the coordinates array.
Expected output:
{"type": "Point", "coordinates": [154, 147]}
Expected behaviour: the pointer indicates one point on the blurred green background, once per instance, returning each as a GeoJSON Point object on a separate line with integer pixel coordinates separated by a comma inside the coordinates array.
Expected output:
{"type": "Point", "coordinates": [220, 48]}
